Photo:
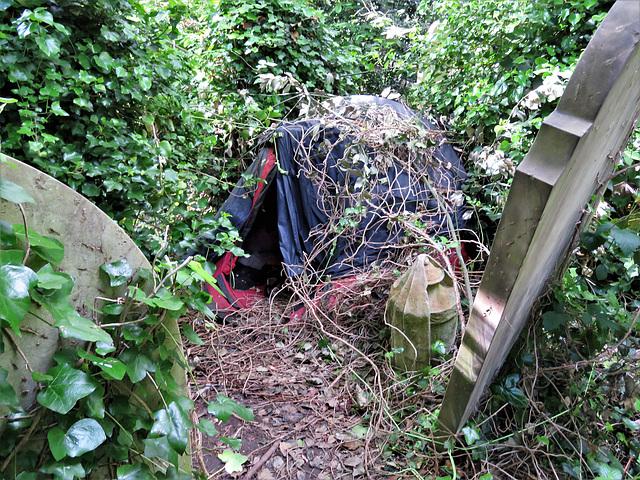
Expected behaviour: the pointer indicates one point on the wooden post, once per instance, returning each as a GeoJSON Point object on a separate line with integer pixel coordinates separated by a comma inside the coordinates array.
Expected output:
{"type": "Point", "coordinates": [574, 152]}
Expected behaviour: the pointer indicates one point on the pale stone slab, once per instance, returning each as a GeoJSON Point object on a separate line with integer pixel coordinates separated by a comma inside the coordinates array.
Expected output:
{"type": "Point", "coordinates": [91, 239]}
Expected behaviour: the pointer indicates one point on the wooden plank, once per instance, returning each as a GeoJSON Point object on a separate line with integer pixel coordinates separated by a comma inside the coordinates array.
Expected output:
{"type": "Point", "coordinates": [574, 151]}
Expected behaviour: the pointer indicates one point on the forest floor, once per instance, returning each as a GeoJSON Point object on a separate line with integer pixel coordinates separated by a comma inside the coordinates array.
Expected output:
{"type": "Point", "coordinates": [326, 404]}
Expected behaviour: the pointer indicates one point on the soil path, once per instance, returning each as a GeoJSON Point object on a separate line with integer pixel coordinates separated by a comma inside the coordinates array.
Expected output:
{"type": "Point", "coordinates": [314, 401]}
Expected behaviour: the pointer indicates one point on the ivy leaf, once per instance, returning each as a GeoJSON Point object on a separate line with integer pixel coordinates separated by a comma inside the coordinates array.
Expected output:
{"type": "Point", "coordinates": [26, 475]}
{"type": "Point", "coordinates": [508, 390]}
{"type": "Point", "coordinates": [145, 83]}
{"type": "Point", "coordinates": [207, 427]}
{"type": "Point", "coordinates": [191, 335]}
{"type": "Point", "coordinates": [630, 424]}
{"type": "Point", "coordinates": [11, 257]}
{"type": "Point", "coordinates": [201, 273]}
{"type": "Point", "coordinates": [68, 469]}
{"type": "Point", "coordinates": [67, 387]}
{"type": "Point", "coordinates": [138, 364]}
{"type": "Point", "coordinates": [232, 461]}
{"type": "Point", "coordinates": [83, 436]}
{"type": "Point", "coordinates": [592, 240]}
{"type": "Point", "coordinates": [103, 348]}
{"type": "Point", "coordinates": [70, 323]}
{"type": "Point", "coordinates": [234, 443]}
{"type": "Point", "coordinates": [112, 368]}
{"type": "Point", "coordinates": [224, 407]}
{"type": "Point", "coordinates": [48, 248]}
{"type": "Point", "coordinates": [76, 326]}
{"type": "Point", "coordinates": [7, 393]}
{"type": "Point", "coordinates": [470, 435]}
{"type": "Point", "coordinates": [554, 320]}
{"type": "Point", "coordinates": [57, 110]}
{"type": "Point", "coordinates": [139, 471]}
{"type": "Point", "coordinates": [49, 279]}
{"type": "Point", "coordinates": [627, 239]}
{"type": "Point", "coordinates": [14, 193]}
{"type": "Point", "coordinates": [93, 404]}
{"type": "Point", "coordinates": [160, 448]}
{"type": "Point", "coordinates": [7, 237]}
{"type": "Point", "coordinates": [607, 472]}
{"type": "Point", "coordinates": [119, 272]}
{"type": "Point", "coordinates": [173, 423]}
{"type": "Point", "coordinates": [42, 15]}
{"type": "Point", "coordinates": [15, 300]}
{"type": "Point", "coordinates": [166, 300]}
{"type": "Point", "coordinates": [4, 4]}
{"type": "Point", "coordinates": [49, 45]}
{"type": "Point", "coordinates": [55, 436]}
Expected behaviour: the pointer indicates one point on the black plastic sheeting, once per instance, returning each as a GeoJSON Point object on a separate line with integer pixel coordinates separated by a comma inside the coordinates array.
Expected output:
{"type": "Point", "coordinates": [302, 209]}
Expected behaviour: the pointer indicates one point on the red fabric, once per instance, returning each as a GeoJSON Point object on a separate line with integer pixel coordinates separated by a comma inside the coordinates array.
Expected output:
{"type": "Point", "coordinates": [452, 255]}
{"type": "Point", "coordinates": [230, 299]}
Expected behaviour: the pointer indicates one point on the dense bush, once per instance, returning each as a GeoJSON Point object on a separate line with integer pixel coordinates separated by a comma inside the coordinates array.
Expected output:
{"type": "Point", "coordinates": [263, 60]}
{"type": "Point", "coordinates": [495, 70]}
{"type": "Point", "coordinates": [102, 105]}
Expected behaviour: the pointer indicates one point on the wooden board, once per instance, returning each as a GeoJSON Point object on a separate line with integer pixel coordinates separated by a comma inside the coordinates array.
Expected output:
{"type": "Point", "coordinates": [575, 150]}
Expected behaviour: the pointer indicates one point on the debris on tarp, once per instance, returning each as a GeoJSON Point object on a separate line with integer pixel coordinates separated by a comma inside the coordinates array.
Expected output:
{"type": "Point", "coordinates": [334, 195]}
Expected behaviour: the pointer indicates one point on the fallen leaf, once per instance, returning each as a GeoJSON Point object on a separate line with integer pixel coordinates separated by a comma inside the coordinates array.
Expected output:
{"type": "Point", "coordinates": [354, 445]}
{"type": "Point", "coordinates": [353, 461]}
{"type": "Point", "coordinates": [359, 431]}
{"type": "Point", "coordinates": [285, 447]}
{"type": "Point", "coordinates": [265, 474]}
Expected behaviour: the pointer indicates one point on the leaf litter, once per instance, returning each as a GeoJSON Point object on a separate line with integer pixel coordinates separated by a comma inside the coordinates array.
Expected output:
{"type": "Point", "coordinates": [325, 402]}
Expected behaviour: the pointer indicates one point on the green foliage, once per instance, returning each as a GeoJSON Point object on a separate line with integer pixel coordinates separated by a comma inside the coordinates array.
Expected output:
{"type": "Point", "coordinates": [232, 461]}
{"type": "Point", "coordinates": [506, 390]}
{"type": "Point", "coordinates": [13, 193]}
{"type": "Point", "coordinates": [480, 58]}
{"type": "Point", "coordinates": [15, 283]}
{"type": "Point", "coordinates": [495, 70]}
{"type": "Point", "coordinates": [224, 407]}
{"type": "Point", "coordinates": [263, 61]}
{"type": "Point", "coordinates": [99, 99]}
{"type": "Point", "coordinates": [256, 39]}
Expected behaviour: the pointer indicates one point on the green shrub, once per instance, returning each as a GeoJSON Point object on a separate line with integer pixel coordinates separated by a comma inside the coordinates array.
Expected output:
{"type": "Point", "coordinates": [496, 70]}
{"type": "Point", "coordinates": [102, 105]}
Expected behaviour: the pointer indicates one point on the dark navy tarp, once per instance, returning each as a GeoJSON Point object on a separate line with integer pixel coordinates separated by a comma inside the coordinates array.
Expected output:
{"type": "Point", "coordinates": [308, 176]}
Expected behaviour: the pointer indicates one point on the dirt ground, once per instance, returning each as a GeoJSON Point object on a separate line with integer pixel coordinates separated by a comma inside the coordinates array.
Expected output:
{"type": "Point", "coordinates": [321, 394]}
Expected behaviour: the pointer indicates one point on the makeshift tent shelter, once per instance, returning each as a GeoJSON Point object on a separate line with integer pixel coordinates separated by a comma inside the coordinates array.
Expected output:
{"type": "Point", "coordinates": [331, 195]}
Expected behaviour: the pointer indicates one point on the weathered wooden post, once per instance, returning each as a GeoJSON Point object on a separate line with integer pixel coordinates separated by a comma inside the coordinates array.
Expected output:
{"type": "Point", "coordinates": [573, 153]}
